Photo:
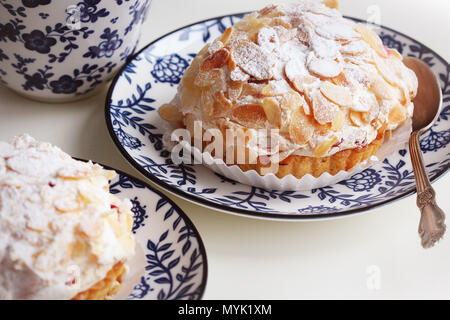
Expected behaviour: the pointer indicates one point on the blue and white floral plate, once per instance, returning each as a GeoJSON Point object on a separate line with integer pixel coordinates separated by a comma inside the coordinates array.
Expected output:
{"type": "Point", "coordinates": [175, 258]}
{"type": "Point", "coordinates": [150, 79]}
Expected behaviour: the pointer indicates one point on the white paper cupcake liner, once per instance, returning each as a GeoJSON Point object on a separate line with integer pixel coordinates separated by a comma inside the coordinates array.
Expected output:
{"type": "Point", "coordinates": [308, 182]}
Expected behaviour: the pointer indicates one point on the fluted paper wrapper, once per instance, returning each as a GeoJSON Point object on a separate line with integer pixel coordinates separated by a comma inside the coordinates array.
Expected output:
{"type": "Point", "coordinates": [399, 138]}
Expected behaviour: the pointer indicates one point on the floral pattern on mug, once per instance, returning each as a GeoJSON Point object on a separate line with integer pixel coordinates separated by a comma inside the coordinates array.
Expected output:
{"type": "Point", "coordinates": [35, 3]}
{"type": "Point", "coordinates": [89, 11]}
{"type": "Point", "coordinates": [106, 48]}
{"type": "Point", "coordinates": [37, 43]}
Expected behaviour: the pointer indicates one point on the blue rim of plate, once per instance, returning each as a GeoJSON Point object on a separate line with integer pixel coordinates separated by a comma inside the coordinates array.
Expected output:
{"type": "Point", "coordinates": [181, 214]}
{"type": "Point", "coordinates": [246, 212]}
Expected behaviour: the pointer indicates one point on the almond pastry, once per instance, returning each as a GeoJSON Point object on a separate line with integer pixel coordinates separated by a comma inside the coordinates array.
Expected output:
{"type": "Point", "coordinates": [63, 235]}
{"type": "Point", "coordinates": [327, 83]}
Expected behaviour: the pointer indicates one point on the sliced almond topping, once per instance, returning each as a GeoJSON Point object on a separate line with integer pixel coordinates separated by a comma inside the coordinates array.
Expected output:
{"type": "Point", "coordinates": [250, 115]}
{"type": "Point", "coordinates": [36, 255]}
{"type": "Point", "coordinates": [273, 111]}
{"type": "Point", "coordinates": [292, 100]}
{"type": "Point", "coordinates": [234, 90]}
{"type": "Point", "coordinates": [224, 103]}
{"type": "Point", "coordinates": [412, 83]}
{"type": "Point", "coordinates": [293, 50]}
{"type": "Point", "coordinates": [170, 113]}
{"type": "Point", "coordinates": [324, 48]}
{"type": "Point", "coordinates": [396, 54]}
{"type": "Point", "coordinates": [338, 122]}
{"type": "Point", "coordinates": [342, 96]}
{"type": "Point", "coordinates": [276, 88]}
{"type": "Point", "coordinates": [226, 35]}
{"type": "Point", "coordinates": [215, 46]}
{"type": "Point", "coordinates": [302, 82]}
{"type": "Point", "coordinates": [388, 69]}
{"type": "Point", "coordinates": [34, 229]}
{"type": "Point", "coordinates": [301, 128]}
{"type": "Point", "coordinates": [284, 34]}
{"type": "Point", "coordinates": [238, 75]}
{"type": "Point", "coordinates": [372, 39]}
{"type": "Point", "coordinates": [251, 89]}
{"type": "Point", "coordinates": [67, 205]}
{"type": "Point", "coordinates": [324, 147]}
{"type": "Point", "coordinates": [340, 80]}
{"type": "Point", "coordinates": [280, 21]}
{"type": "Point", "coordinates": [397, 114]}
{"type": "Point", "coordinates": [295, 68]}
{"type": "Point", "coordinates": [323, 10]}
{"type": "Point", "coordinates": [268, 10]}
{"type": "Point", "coordinates": [208, 78]}
{"type": "Point", "coordinates": [382, 89]}
{"type": "Point", "coordinates": [268, 39]}
{"type": "Point", "coordinates": [204, 50]}
{"type": "Point", "coordinates": [253, 60]}
{"type": "Point", "coordinates": [251, 25]}
{"type": "Point", "coordinates": [267, 91]}
{"type": "Point", "coordinates": [356, 118]}
{"type": "Point", "coordinates": [323, 109]}
{"type": "Point", "coordinates": [337, 30]}
{"type": "Point", "coordinates": [363, 101]}
{"type": "Point", "coordinates": [372, 114]}
{"type": "Point", "coordinates": [332, 4]}
{"type": "Point", "coordinates": [231, 64]}
{"type": "Point", "coordinates": [366, 117]}
{"type": "Point", "coordinates": [393, 71]}
{"type": "Point", "coordinates": [377, 124]}
{"type": "Point", "coordinates": [65, 174]}
{"type": "Point", "coordinates": [401, 95]}
{"type": "Point", "coordinates": [354, 48]}
{"type": "Point", "coordinates": [216, 60]}
{"type": "Point", "coordinates": [305, 106]}
{"type": "Point", "coordinates": [326, 68]}
{"type": "Point", "coordinates": [317, 19]}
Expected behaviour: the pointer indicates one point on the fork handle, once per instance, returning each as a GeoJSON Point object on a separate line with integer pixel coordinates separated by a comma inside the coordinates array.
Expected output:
{"type": "Point", "coordinates": [432, 222]}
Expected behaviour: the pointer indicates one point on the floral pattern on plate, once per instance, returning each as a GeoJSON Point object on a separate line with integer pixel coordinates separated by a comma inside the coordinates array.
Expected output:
{"type": "Point", "coordinates": [176, 265]}
{"type": "Point", "coordinates": [149, 80]}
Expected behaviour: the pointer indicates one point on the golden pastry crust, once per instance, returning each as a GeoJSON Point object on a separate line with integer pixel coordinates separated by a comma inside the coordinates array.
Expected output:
{"type": "Point", "coordinates": [106, 287]}
{"type": "Point", "coordinates": [299, 166]}
{"type": "Point", "coordinates": [327, 84]}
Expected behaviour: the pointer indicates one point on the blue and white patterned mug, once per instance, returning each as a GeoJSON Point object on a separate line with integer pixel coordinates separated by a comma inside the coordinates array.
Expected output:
{"type": "Point", "coordinates": [63, 50]}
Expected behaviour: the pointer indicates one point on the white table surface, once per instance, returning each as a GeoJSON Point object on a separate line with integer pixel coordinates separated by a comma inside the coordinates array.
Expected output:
{"type": "Point", "coordinates": [255, 259]}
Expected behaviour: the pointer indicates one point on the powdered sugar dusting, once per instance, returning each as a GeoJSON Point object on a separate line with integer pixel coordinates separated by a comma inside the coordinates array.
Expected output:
{"type": "Point", "coordinates": [337, 30]}
{"type": "Point", "coordinates": [254, 60]}
{"type": "Point", "coordinates": [238, 75]}
{"type": "Point", "coordinates": [295, 68]}
{"type": "Point", "coordinates": [327, 68]}
{"type": "Point", "coordinates": [268, 39]}
{"type": "Point", "coordinates": [355, 48]}
{"type": "Point", "coordinates": [55, 212]}
{"type": "Point", "coordinates": [306, 56]}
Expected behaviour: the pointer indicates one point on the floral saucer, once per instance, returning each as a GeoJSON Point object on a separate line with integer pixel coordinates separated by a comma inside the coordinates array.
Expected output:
{"type": "Point", "coordinates": [150, 79]}
{"type": "Point", "coordinates": [175, 258]}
